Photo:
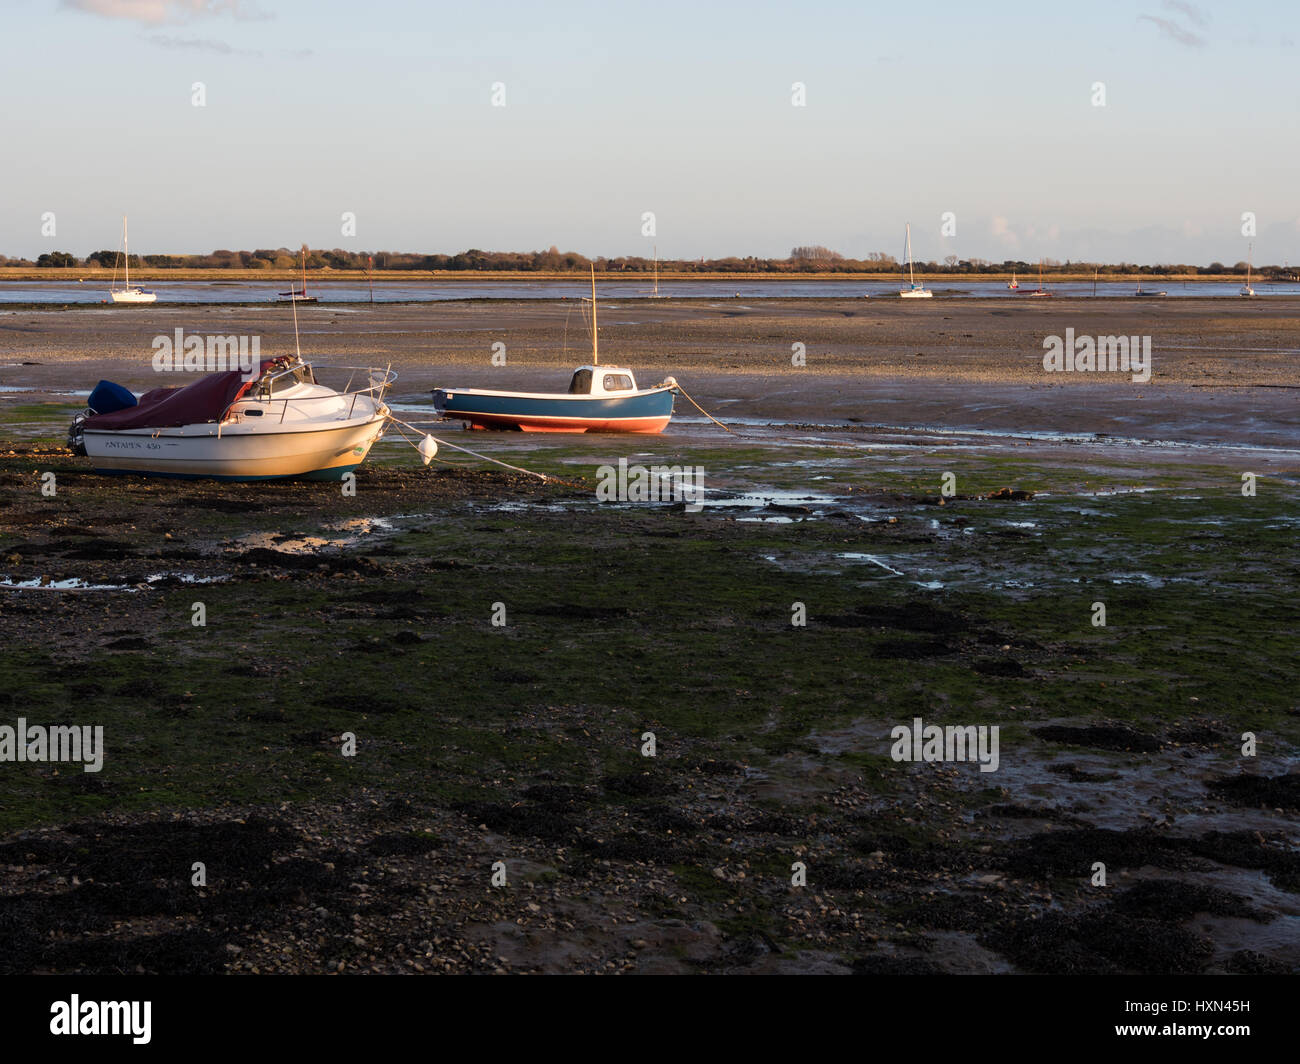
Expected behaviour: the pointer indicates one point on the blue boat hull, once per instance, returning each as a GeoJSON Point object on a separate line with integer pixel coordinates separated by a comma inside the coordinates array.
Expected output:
{"type": "Point", "coordinates": [645, 412]}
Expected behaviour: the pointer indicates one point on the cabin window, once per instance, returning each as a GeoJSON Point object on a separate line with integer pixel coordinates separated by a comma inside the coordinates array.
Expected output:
{"type": "Point", "coordinates": [617, 382]}
{"type": "Point", "coordinates": [279, 381]}
{"type": "Point", "coordinates": [581, 383]}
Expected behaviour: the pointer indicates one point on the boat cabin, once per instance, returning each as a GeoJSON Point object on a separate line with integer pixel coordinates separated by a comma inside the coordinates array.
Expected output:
{"type": "Point", "coordinates": [602, 380]}
{"type": "Point", "coordinates": [282, 375]}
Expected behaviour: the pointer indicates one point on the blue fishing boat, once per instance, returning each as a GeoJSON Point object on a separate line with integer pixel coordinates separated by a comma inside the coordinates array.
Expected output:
{"type": "Point", "coordinates": [599, 399]}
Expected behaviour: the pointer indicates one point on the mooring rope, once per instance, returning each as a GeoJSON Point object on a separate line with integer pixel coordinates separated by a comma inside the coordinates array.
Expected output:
{"type": "Point", "coordinates": [702, 410]}
{"type": "Point", "coordinates": [455, 446]}
{"type": "Point", "coordinates": [545, 478]}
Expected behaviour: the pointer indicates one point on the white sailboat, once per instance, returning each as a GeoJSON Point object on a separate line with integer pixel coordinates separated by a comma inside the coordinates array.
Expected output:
{"type": "Point", "coordinates": [1250, 253]}
{"type": "Point", "coordinates": [914, 290]}
{"type": "Point", "coordinates": [1013, 284]}
{"type": "Point", "coordinates": [127, 294]}
{"type": "Point", "coordinates": [1040, 290]}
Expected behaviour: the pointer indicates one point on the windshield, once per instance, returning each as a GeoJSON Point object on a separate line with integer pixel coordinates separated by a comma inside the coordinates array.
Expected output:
{"type": "Point", "coordinates": [280, 380]}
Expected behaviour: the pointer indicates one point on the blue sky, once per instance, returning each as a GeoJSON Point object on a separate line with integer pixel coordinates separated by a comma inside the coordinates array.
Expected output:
{"type": "Point", "coordinates": [612, 109]}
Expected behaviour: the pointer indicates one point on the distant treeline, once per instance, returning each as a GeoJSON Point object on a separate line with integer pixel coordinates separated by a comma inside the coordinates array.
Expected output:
{"type": "Point", "coordinates": [812, 259]}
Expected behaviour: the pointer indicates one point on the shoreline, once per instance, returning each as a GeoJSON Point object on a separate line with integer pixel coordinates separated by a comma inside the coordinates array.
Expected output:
{"type": "Point", "coordinates": [325, 276]}
{"type": "Point", "coordinates": [1222, 372]}
{"type": "Point", "coordinates": [941, 300]}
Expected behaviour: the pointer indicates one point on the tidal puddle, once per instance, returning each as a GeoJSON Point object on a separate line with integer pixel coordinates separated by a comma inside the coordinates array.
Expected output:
{"type": "Point", "coordinates": [72, 584]}
{"type": "Point", "coordinates": [77, 584]}
{"type": "Point", "coordinates": [351, 532]}
{"type": "Point", "coordinates": [516, 507]}
{"type": "Point", "coordinates": [871, 559]}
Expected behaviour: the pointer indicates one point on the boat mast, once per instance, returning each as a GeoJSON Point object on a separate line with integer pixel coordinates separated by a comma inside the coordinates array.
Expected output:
{"type": "Point", "coordinates": [113, 285]}
{"type": "Point", "coordinates": [911, 273]}
{"type": "Point", "coordinates": [126, 253]}
{"type": "Point", "coordinates": [656, 269]}
{"type": "Point", "coordinates": [595, 353]}
{"type": "Point", "coordinates": [304, 271]}
{"type": "Point", "coordinates": [297, 347]}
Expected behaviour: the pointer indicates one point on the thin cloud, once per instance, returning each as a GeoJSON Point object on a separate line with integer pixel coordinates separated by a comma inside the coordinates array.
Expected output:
{"type": "Point", "coordinates": [198, 44]}
{"type": "Point", "coordinates": [1001, 231]}
{"type": "Point", "coordinates": [1173, 31]}
{"type": "Point", "coordinates": [162, 12]}
{"type": "Point", "coordinates": [1190, 11]}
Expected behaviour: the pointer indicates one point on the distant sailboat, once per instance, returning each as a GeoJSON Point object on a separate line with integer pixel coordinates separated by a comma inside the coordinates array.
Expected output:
{"type": "Point", "coordinates": [1013, 284]}
{"type": "Point", "coordinates": [127, 294]}
{"type": "Point", "coordinates": [1040, 290]}
{"type": "Point", "coordinates": [914, 290]}
{"type": "Point", "coordinates": [293, 295]}
{"type": "Point", "coordinates": [655, 294]}
{"type": "Point", "coordinates": [1248, 291]}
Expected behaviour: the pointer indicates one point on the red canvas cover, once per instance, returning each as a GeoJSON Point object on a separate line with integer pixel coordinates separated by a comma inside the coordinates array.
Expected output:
{"type": "Point", "coordinates": [205, 400]}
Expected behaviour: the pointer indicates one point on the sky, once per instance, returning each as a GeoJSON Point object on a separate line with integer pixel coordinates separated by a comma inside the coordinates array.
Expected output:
{"type": "Point", "coordinates": [981, 116]}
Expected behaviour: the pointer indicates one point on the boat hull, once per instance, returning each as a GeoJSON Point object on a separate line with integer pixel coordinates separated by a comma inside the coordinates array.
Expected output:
{"type": "Point", "coordinates": [198, 451]}
{"type": "Point", "coordinates": [643, 413]}
{"type": "Point", "coordinates": [134, 297]}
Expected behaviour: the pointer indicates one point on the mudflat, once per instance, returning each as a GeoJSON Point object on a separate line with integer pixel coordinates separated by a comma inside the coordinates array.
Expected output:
{"type": "Point", "coordinates": [1222, 370]}
{"type": "Point", "coordinates": [918, 524]}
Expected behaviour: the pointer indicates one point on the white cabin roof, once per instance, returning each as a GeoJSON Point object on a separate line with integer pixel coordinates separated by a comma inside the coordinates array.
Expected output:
{"type": "Point", "coordinates": [605, 380]}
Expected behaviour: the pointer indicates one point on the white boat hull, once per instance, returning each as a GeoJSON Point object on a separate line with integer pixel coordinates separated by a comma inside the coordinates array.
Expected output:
{"type": "Point", "coordinates": [321, 453]}
{"type": "Point", "coordinates": [134, 296]}
{"type": "Point", "coordinates": [916, 293]}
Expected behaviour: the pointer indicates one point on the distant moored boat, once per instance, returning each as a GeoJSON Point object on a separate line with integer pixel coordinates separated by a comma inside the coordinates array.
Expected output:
{"type": "Point", "coordinates": [127, 294]}
{"type": "Point", "coordinates": [1040, 290]}
{"type": "Point", "coordinates": [293, 295]}
{"type": "Point", "coordinates": [913, 290]}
